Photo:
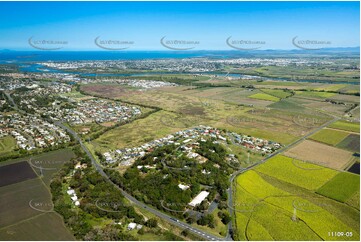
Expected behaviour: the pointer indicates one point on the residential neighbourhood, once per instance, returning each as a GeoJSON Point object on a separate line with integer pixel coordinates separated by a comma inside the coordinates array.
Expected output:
{"type": "Point", "coordinates": [31, 132]}
{"type": "Point", "coordinates": [186, 141]}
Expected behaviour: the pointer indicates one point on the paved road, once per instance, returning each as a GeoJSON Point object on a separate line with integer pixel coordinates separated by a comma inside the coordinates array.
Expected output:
{"type": "Point", "coordinates": [156, 212]}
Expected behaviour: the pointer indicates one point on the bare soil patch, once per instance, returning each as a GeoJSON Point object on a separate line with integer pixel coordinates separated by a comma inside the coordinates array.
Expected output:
{"type": "Point", "coordinates": [320, 154]}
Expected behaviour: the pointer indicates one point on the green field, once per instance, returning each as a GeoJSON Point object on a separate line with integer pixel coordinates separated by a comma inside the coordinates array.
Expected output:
{"type": "Point", "coordinates": [297, 172]}
{"type": "Point", "coordinates": [277, 93]}
{"type": "Point", "coordinates": [264, 96]}
{"type": "Point", "coordinates": [342, 187]}
{"type": "Point", "coordinates": [331, 88]}
{"type": "Point", "coordinates": [314, 94]}
{"type": "Point", "coordinates": [345, 125]}
{"type": "Point", "coordinates": [329, 136]}
{"type": "Point", "coordinates": [286, 104]}
{"type": "Point", "coordinates": [7, 144]}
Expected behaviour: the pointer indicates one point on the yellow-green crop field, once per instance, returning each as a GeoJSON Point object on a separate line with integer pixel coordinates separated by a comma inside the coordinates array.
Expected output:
{"type": "Point", "coordinates": [300, 173]}
{"type": "Point", "coordinates": [314, 94]}
{"type": "Point", "coordinates": [276, 93]}
{"type": "Point", "coordinates": [274, 209]}
{"type": "Point", "coordinates": [345, 125]}
{"type": "Point", "coordinates": [264, 96]}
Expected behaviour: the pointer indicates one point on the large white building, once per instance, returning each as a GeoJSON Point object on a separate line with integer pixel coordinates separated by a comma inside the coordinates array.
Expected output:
{"type": "Point", "coordinates": [199, 198]}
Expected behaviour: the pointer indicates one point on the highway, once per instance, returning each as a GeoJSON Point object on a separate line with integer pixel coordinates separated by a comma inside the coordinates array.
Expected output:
{"type": "Point", "coordinates": [156, 212]}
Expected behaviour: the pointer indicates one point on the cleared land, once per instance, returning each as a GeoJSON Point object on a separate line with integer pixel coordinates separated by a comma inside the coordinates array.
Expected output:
{"type": "Point", "coordinates": [15, 173]}
{"type": "Point", "coordinates": [329, 136]}
{"type": "Point", "coordinates": [26, 206]}
{"type": "Point", "coordinates": [320, 154]}
{"type": "Point", "coordinates": [46, 226]}
{"type": "Point", "coordinates": [15, 198]}
{"type": "Point", "coordinates": [341, 187]}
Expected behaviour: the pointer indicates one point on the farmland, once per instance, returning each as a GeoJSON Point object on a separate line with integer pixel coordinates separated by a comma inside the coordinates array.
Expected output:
{"type": "Point", "coordinates": [26, 207]}
{"type": "Point", "coordinates": [342, 187]}
{"type": "Point", "coordinates": [348, 126]}
{"type": "Point", "coordinates": [266, 205]}
{"type": "Point", "coordinates": [265, 96]}
{"type": "Point", "coordinates": [295, 73]}
{"type": "Point", "coordinates": [334, 87]}
{"type": "Point", "coordinates": [351, 142]}
{"type": "Point", "coordinates": [15, 173]}
{"type": "Point", "coordinates": [329, 136]}
{"type": "Point", "coordinates": [314, 94]}
{"type": "Point", "coordinates": [277, 93]}
{"type": "Point", "coordinates": [297, 172]}
{"type": "Point", "coordinates": [38, 227]}
{"type": "Point", "coordinates": [320, 154]}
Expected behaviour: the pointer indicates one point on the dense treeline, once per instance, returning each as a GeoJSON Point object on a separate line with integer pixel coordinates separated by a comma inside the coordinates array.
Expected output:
{"type": "Point", "coordinates": [96, 193]}
{"type": "Point", "coordinates": [158, 186]}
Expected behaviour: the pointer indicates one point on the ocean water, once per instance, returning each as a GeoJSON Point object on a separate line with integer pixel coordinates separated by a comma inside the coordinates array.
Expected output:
{"type": "Point", "coordinates": [39, 56]}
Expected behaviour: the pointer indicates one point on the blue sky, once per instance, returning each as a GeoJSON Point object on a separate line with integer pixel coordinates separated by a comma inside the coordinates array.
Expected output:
{"type": "Point", "coordinates": [210, 23]}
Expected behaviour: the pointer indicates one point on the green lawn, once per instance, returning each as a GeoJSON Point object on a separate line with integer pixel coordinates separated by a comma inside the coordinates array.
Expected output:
{"type": "Point", "coordinates": [345, 125]}
{"type": "Point", "coordinates": [329, 136]}
{"type": "Point", "coordinates": [7, 144]}
{"type": "Point", "coordinates": [342, 187]}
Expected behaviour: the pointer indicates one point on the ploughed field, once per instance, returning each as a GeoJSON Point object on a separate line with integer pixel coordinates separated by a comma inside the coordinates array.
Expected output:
{"type": "Point", "coordinates": [26, 208]}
